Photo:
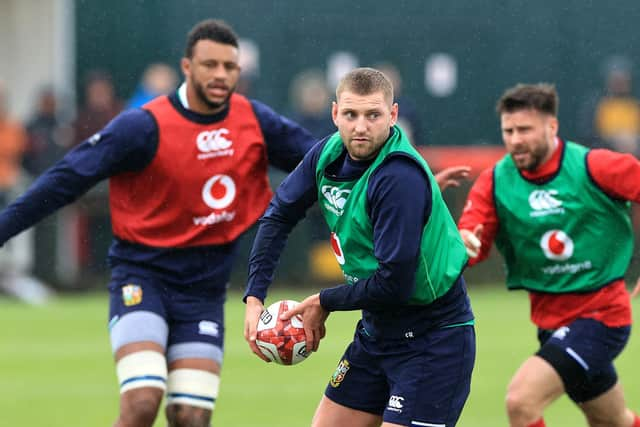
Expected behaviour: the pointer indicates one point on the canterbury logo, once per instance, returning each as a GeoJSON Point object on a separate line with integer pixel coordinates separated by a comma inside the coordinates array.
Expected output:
{"type": "Point", "coordinates": [211, 140]}
{"type": "Point", "coordinates": [544, 202]}
{"type": "Point", "coordinates": [395, 402]}
{"type": "Point", "coordinates": [543, 199]}
{"type": "Point", "coordinates": [213, 143]}
{"type": "Point", "coordinates": [335, 198]}
{"type": "Point", "coordinates": [561, 332]}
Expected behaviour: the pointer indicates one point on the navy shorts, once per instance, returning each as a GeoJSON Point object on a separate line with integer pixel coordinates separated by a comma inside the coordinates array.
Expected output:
{"type": "Point", "coordinates": [188, 321]}
{"type": "Point", "coordinates": [421, 381]}
{"type": "Point", "coordinates": [582, 353]}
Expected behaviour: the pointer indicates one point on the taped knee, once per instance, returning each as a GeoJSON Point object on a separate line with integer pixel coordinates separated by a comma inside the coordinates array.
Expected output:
{"type": "Point", "coordinates": [193, 387]}
{"type": "Point", "coordinates": [142, 369]}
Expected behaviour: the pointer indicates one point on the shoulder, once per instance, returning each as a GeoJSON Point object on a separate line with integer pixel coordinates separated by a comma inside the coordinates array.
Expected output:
{"type": "Point", "coordinates": [131, 128]}
{"type": "Point", "coordinates": [313, 155]}
{"type": "Point", "coordinates": [484, 183]}
{"type": "Point", "coordinates": [267, 115]}
{"type": "Point", "coordinates": [271, 121]}
{"type": "Point", "coordinates": [608, 158]}
{"type": "Point", "coordinates": [610, 169]}
{"type": "Point", "coordinates": [240, 102]}
{"type": "Point", "coordinates": [261, 109]}
{"type": "Point", "coordinates": [400, 170]}
{"type": "Point", "coordinates": [133, 119]}
{"type": "Point", "coordinates": [485, 176]}
{"type": "Point", "coordinates": [399, 187]}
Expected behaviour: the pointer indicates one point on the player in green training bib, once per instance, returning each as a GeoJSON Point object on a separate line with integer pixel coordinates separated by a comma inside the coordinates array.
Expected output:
{"type": "Point", "coordinates": [559, 215]}
{"type": "Point", "coordinates": [413, 351]}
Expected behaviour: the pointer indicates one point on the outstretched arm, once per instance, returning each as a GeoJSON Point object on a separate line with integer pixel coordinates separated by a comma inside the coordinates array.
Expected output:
{"type": "Point", "coordinates": [128, 143]}
{"type": "Point", "coordinates": [289, 205]}
{"type": "Point", "coordinates": [478, 224]}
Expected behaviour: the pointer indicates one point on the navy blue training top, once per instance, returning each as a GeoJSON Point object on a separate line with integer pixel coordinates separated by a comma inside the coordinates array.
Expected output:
{"type": "Point", "coordinates": [398, 212]}
{"type": "Point", "coordinates": [129, 143]}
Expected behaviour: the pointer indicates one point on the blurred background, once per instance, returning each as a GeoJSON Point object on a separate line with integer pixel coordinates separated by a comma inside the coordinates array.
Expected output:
{"type": "Point", "coordinates": [68, 67]}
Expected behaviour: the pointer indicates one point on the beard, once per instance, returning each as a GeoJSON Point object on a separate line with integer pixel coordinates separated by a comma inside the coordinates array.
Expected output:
{"type": "Point", "coordinates": [202, 96]}
{"type": "Point", "coordinates": [536, 156]}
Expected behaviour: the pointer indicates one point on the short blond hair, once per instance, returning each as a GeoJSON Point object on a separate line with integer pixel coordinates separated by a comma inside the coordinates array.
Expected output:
{"type": "Point", "coordinates": [365, 81]}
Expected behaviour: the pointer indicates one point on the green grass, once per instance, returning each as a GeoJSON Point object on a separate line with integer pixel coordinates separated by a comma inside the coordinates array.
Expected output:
{"type": "Point", "coordinates": [56, 368]}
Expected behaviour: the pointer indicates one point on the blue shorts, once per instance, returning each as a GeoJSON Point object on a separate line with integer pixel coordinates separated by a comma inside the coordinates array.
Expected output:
{"type": "Point", "coordinates": [187, 321]}
{"type": "Point", "coordinates": [421, 381]}
{"type": "Point", "coordinates": [582, 353]}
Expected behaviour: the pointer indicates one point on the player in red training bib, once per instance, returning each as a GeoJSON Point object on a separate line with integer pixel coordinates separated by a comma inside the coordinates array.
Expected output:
{"type": "Point", "coordinates": [187, 175]}
{"type": "Point", "coordinates": [547, 205]}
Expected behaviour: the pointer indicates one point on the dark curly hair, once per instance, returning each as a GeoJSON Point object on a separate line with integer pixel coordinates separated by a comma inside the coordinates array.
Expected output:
{"type": "Point", "coordinates": [215, 30]}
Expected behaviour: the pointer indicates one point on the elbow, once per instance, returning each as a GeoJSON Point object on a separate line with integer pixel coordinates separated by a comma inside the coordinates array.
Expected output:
{"type": "Point", "coordinates": [393, 294]}
{"type": "Point", "coordinates": [403, 295]}
{"type": "Point", "coordinates": [396, 285]}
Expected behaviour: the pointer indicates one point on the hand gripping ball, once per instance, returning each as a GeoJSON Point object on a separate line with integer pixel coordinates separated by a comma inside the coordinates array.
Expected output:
{"type": "Point", "coordinates": [281, 341]}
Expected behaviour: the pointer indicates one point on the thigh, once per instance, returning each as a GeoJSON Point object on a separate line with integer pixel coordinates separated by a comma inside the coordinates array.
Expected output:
{"type": "Point", "coordinates": [537, 383]}
{"type": "Point", "coordinates": [194, 352]}
{"type": "Point", "coordinates": [196, 326]}
{"type": "Point", "coordinates": [331, 414]}
{"type": "Point", "coordinates": [430, 377]}
{"type": "Point", "coordinates": [136, 300]}
{"type": "Point", "coordinates": [358, 382]}
{"type": "Point", "coordinates": [608, 409]}
{"type": "Point", "coordinates": [582, 353]}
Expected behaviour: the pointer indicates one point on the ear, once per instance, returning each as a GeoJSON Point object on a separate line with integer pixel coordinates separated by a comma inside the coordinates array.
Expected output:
{"type": "Point", "coordinates": [394, 113]}
{"type": "Point", "coordinates": [553, 126]}
{"type": "Point", "coordinates": [334, 112]}
{"type": "Point", "coordinates": [185, 65]}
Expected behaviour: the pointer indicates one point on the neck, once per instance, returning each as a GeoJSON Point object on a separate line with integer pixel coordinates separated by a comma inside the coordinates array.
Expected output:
{"type": "Point", "coordinates": [548, 167]}
{"type": "Point", "coordinates": [191, 101]}
{"type": "Point", "coordinates": [552, 149]}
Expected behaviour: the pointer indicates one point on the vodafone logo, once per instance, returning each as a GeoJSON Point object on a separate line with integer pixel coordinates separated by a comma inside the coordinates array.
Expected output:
{"type": "Point", "coordinates": [337, 248]}
{"type": "Point", "coordinates": [219, 191]}
{"type": "Point", "coordinates": [213, 143]}
{"type": "Point", "coordinates": [556, 245]}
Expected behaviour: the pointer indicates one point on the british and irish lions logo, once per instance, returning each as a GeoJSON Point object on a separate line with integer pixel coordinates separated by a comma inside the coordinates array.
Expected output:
{"type": "Point", "coordinates": [557, 245]}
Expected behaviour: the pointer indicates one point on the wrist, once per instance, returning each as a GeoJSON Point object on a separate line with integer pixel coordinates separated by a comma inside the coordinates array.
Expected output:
{"type": "Point", "coordinates": [320, 301]}
{"type": "Point", "coordinates": [253, 300]}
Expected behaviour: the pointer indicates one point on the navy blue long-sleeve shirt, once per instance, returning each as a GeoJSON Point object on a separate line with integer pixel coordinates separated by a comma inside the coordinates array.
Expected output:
{"type": "Point", "coordinates": [129, 143]}
{"type": "Point", "coordinates": [399, 205]}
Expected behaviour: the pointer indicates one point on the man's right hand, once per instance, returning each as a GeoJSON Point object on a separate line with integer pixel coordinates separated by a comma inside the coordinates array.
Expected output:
{"type": "Point", "coordinates": [251, 317]}
{"type": "Point", "coordinates": [452, 176]}
{"type": "Point", "coordinates": [472, 240]}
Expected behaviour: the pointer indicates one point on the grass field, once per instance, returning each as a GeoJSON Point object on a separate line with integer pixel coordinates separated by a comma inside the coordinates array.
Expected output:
{"type": "Point", "coordinates": [56, 368]}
